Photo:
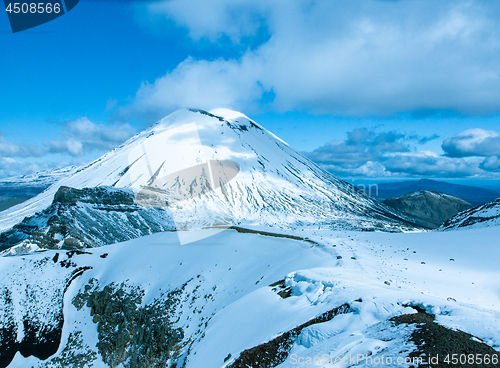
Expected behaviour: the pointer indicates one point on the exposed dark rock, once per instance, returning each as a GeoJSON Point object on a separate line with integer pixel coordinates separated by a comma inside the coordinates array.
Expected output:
{"type": "Point", "coordinates": [281, 289]}
{"type": "Point", "coordinates": [39, 340]}
{"type": "Point", "coordinates": [89, 217]}
{"type": "Point", "coordinates": [433, 340]}
{"type": "Point", "coordinates": [275, 235]}
{"type": "Point", "coordinates": [76, 354]}
{"type": "Point", "coordinates": [131, 334]}
{"type": "Point", "coordinates": [97, 195]}
{"type": "Point", "coordinates": [8, 330]}
{"type": "Point", "coordinates": [203, 112]}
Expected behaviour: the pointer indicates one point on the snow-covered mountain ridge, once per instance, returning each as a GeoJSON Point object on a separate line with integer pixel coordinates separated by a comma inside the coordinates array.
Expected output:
{"type": "Point", "coordinates": [40, 179]}
{"type": "Point", "coordinates": [485, 215]}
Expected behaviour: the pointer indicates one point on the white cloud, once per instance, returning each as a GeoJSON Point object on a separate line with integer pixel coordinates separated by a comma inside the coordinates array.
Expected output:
{"type": "Point", "coordinates": [13, 167]}
{"type": "Point", "coordinates": [473, 142]}
{"type": "Point", "coordinates": [364, 152]}
{"type": "Point", "coordinates": [212, 19]}
{"type": "Point", "coordinates": [77, 138]}
{"type": "Point", "coordinates": [201, 84]}
{"type": "Point", "coordinates": [368, 169]}
{"type": "Point", "coordinates": [82, 136]}
{"type": "Point", "coordinates": [491, 164]}
{"type": "Point", "coordinates": [339, 57]}
{"type": "Point", "coordinates": [14, 149]}
{"type": "Point", "coordinates": [367, 153]}
{"type": "Point", "coordinates": [427, 163]}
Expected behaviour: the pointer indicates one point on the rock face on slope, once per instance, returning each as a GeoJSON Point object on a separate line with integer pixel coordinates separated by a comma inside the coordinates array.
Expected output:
{"type": "Point", "coordinates": [86, 218]}
{"type": "Point", "coordinates": [485, 215]}
{"type": "Point", "coordinates": [429, 208]}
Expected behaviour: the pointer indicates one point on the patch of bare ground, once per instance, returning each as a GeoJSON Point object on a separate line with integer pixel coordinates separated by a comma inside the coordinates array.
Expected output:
{"type": "Point", "coordinates": [267, 233]}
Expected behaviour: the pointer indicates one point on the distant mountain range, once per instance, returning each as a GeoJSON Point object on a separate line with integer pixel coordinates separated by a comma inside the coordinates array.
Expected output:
{"type": "Point", "coordinates": [17, 189]}
{"type": "Point", "coordinates": [471, 194]}
{"type": "Point", "coordinates": [429, 208]}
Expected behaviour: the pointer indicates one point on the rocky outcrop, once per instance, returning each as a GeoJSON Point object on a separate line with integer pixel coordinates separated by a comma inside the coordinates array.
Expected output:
{"type": "Point", "coordinates": [85, 218]}
{"type": "Point", "coordinates": [132, 334]}
{"type": "Point", "coordinates": [99, 195]}
{"type": "Point", "coordinates": [440, 346]}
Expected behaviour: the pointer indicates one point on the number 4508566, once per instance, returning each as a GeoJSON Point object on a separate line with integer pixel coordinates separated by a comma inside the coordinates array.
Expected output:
{"type": "Point", "coordinates": [33, 8]}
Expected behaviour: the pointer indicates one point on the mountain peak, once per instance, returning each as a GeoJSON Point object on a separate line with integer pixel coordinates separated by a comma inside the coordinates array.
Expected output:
{"type": "Point", "coordinates": [228, 114]}
{"type": "Point", "coordinates": [271, 184]}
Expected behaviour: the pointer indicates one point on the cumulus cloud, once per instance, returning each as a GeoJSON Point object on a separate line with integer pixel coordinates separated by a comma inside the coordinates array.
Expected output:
{"type": "Point", "coordinates": [491, 164]}
{"type": "Point", "coordinates": [12, 167]}
{"type": "Point", "coordinates": [367, 153]}
{"type": "Point", "coordinates": [13, 149]}
{"type": "Point", "coordinates": [215, 18]}
{"type": "Point", "coordinates": [362, 152]}
{"type": "Point", "coordinates": [339, 57]}
{"type": "Point", "coordinates": [427, 163]}
{"type": "Point", "coordinates": [77, 138]}
{"type": "Point", "coordinates": [368, 169]}
{"type": "Point", "coordinates": [82, 136]}
{"type": "Point", "coordinates": [201, 84]}
{"type": "Point", "coordinates": [473, 142]}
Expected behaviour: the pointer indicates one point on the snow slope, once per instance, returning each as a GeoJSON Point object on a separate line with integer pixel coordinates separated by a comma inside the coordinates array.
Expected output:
{"type": "Point", "coordinates": [275, 186]}
{"type": "Point", "coordinates": [224, 304]}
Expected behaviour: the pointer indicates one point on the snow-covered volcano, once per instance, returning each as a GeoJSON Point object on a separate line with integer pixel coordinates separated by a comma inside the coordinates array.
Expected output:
{"type": "Point", "coordinates": [275, 185]}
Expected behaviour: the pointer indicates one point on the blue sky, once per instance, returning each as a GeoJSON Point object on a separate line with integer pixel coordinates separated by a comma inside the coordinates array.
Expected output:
{"type": "Point", "coordinates": [368, 89]}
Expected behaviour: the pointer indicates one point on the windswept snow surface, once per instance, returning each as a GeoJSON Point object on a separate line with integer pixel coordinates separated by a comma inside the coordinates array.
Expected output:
{"type": "Point", "coordinates": [276, 185]}
{"type": "Point", "coordinates": [229, 305]}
